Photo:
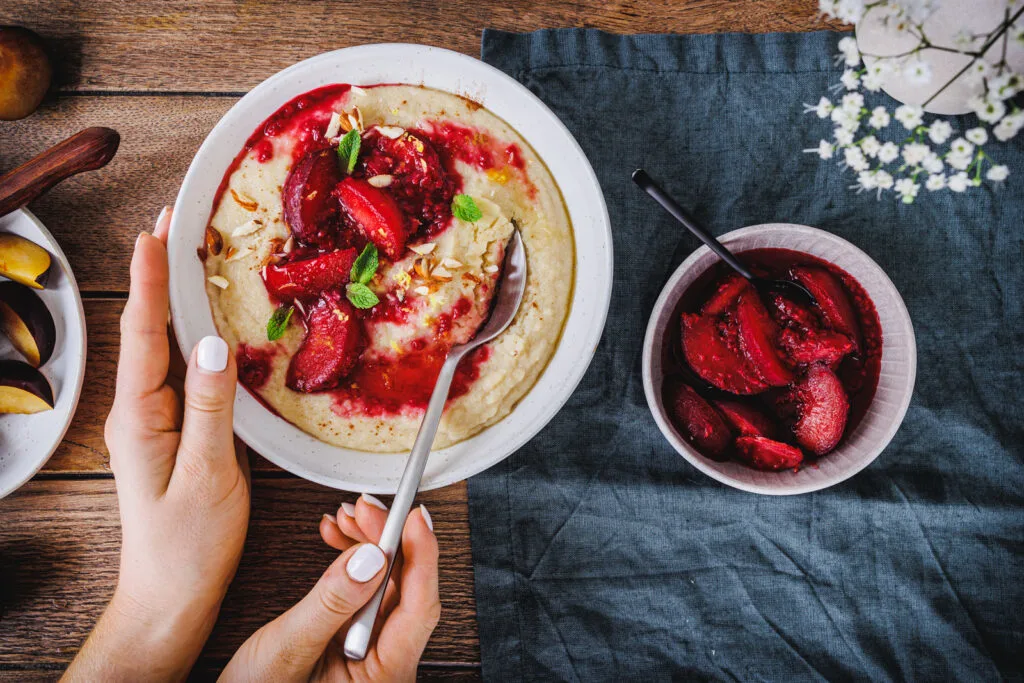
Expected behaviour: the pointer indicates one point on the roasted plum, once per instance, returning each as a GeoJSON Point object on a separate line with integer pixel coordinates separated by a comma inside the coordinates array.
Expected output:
{"type": "Point", "coordinates": [376, 214]}
{"type": "Point", "coordinates": [818, 406]}
{"type": "Point", "coordinates": [699, 421]}
{"type": "Point", "coordinates": [334, 341]}
{"type": "Point", "coordinates": [310, 209]}
{"type": "Point", "coordinates": [767, 454]}
{"type": "Point", "coordinates": [307, 278]}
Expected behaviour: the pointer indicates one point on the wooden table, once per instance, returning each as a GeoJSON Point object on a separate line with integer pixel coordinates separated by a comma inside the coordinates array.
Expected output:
{"type": "Point", "coordinates": [162, 73]}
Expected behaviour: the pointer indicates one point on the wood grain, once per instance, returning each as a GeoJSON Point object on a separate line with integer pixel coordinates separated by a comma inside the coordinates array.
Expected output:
{"type": "Point", "coordinates": [59, 555]}
{"type": "Point", "coordinates": [231, 45]}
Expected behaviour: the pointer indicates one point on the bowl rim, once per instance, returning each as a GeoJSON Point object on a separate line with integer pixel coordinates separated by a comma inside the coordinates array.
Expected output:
{"type": "Point", "coordinates": [694, 457]}
{"type": "Point", "coordinates": [598, 230]}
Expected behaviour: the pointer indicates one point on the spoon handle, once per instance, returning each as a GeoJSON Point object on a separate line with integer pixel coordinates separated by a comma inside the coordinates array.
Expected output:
{"type": "Point", "coordinates": [647, 184]}
{"type": "Point", "coordinates": [357, 640]}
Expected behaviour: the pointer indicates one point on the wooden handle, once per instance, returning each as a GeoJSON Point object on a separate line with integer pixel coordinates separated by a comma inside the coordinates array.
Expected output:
{"type": "Point", "coordinates": [87, 150]}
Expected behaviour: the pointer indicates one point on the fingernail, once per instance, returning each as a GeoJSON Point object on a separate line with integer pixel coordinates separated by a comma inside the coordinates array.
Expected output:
{"type": "Point", "coordinates": [163, 212]}
{"type": "Point", "coordinates": [426, 517]}
{"type": "Point", "coordinates": [365, 563]}
{"type": "Point", "coordinates": [331, 518]}
{"type": "Point", "coordinates": [349, 509]}
{"type": "Point", "coordinates": [374, 501]}
{"type": "Point", "coordinates": [212, 355]}
{"type": "Point", "coordinates": [139, 237]}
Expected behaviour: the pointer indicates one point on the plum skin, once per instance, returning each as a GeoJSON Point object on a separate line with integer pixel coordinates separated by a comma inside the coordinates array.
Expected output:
{"type": "Point", "coordinates": [23, 389]}
{"type": "Point", "coordinates": [27, 322]}
{"type": "Point", "coordinates": [25, 72]}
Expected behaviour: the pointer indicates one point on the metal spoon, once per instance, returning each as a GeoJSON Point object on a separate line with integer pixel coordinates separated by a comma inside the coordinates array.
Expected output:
{"type": "Point", "coordinates": [788, 288]}
{"type": "Point", "coordinates": [506, 303]}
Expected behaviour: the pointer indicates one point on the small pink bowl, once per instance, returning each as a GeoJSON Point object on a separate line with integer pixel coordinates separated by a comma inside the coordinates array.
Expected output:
{"type": "Point", "coordinates": [895, 383]}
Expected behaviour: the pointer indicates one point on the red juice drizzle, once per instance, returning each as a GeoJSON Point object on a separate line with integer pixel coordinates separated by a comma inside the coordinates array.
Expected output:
{"type": "Point", "coordinates": [477, 148]}
{"type": "Point", "coordinates": [254, 364]}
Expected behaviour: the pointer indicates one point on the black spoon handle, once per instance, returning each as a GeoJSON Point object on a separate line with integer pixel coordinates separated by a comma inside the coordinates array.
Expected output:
{"type": "Point", "coordinates": [647, 184]}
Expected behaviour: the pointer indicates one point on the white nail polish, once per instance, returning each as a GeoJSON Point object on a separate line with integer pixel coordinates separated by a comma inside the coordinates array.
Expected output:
{"type": "Point", "coordinates": [365, 563]}
{"type": "Point", "coordinates": [331, 518]}
{"type": "Point", "coordinates": [374, 501]}
{"type": "Point", "coordinates": [349, 509]}
{"type": "Point", "coordinates": [212, 354]}
{"type": "Point", "coordinates": [426, 517]}
{"type": "Point", "coordinates": [163, 212]}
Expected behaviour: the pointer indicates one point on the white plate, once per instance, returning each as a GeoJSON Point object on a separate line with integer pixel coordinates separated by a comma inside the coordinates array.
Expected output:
{"type": "Point", "coordinates": [28, 441]}
{"type": "Point", "coordinates": [895, 383]}
{"type": "Point", "coordinates": [289, 447]}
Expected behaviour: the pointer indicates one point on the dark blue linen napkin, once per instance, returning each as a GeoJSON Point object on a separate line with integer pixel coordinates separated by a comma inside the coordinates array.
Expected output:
{"type": "Point", "coordinates": [599, 552]}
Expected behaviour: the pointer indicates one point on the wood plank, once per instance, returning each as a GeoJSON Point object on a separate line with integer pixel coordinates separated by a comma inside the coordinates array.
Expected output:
{"type": "Point", "coordinates": [96, 216]}
{"type": "Point", "coordinates": [225, 45]}
{"type": "Point", "coordinates": [59, 547]}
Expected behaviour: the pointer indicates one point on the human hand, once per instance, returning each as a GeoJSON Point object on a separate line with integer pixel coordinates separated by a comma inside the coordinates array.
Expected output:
{"type": "Point", "coordinates": [307, 642]}
{"type": "Point", "coordinates": [182, 489]}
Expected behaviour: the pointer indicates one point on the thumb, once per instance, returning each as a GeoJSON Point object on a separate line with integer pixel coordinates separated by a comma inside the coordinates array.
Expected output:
{"type": "Point", "coordinates": [207, 439]}
{"type": "Point", "coordinates": [289, 647]}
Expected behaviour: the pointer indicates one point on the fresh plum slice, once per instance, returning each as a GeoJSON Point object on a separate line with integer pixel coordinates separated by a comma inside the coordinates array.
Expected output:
{"type": "Point", "coordinates": [820, 406]}
{"type": "Point", "coordinates": [376, 214]}
{"type": "Point", "coordinates": [333, 344]}
{"type": "Point", "coordinates": [309, 208]}
{"type": "Point", "coordinates": [306, 278]}
{"type": "Point", "coordinates": [746, 420]}
{"type": "Point", "coordinates": [833, 302]}
{"type": "Point", "coordinates": [27, 322]}
{"type": "Point", "coordinates": [697, 420]}
{"type": "Point", "coordinates": [815, 346]}
{"type": "Point", "coordinates": [758, 336]}
{"type": "Point", "coordinates": [711, 348]}
{"type": "Point", "coordinates": [766, 454]}
{"type": "Point", "coordinates": [726, 295]}
{"type": "Point", "coordinates": [23, 389]}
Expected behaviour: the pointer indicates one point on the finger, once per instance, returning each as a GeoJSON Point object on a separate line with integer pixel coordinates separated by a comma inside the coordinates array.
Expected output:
{"type": "Point", "coordinates": [163, 224]}
{"type": "Point", "coordinates": [145, 350]}
{"type": "Point", "coordinates": [371, 514]}
{"type": "Point", "coordinates": [408, 628]}
{"type": "Point", "coordinates": [291, 645]}
{"type": "Point", "coordinates": [207, 440]}
{"type": "Point", "coordinates": [333, 535]}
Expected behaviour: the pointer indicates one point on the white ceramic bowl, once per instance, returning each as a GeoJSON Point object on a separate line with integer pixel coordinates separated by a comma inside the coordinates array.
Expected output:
{"type": "Point", "coordinates": [895, 383]}
{"type": "Point", "coordinates": [296, 451]}
{"type": "Point", "coordinates": [28, 441]}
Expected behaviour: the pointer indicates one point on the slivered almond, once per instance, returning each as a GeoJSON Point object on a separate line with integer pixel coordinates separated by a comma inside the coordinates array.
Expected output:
{"type": "Point", "coordinates": [229, 253]}
{"type": "Point", "coordinates": [380, 180]}
{"type": "Point", "coordinates": [345, 124]}
{"type": "Point", "coordinates": [238, 254]}
{"type": "Point", "coordinates": [214, 241]}
{"type": "Point", "coordinates": [393, 132]}
{"type": "Point", "coordinates": [288, 245]}
{"type": "Point", "coordinates": [244, 201]}
{"type": "Point", "coordinates": [423, 249]}
{"type": "Point", "coordinates": [422, 290]}
{"type": "Point", "coordinates": [218, 281]}
{"type": "Point", "coordinates": [421, 268]}
{"type": "Point", "coordinates": [441, 273]}
{"type": "Point", "coordinates": [355, 117]}
{"type": "Point", "coordinates": [449, 262]}
{"type": "Point", "coordinates": [491, 269]}
{"type": "Point", "coordinates": [333, 126]}
{"type": "Point", "coordinates": [471, 278]}
{"type": "Point", "coordinates": [356, 90]}
{"type": "Point", "coordinates": [247, 228]}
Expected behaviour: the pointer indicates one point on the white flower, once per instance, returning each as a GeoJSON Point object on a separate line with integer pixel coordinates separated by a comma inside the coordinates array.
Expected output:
{"type": "Point", "coordinates": [1009, 126]}
{"type": "Point", "coordinates": [987, 109]}
{"type": "Point", "coordinates": [872, 81]}
{"type": "Point", "coordinates": [932, 163]}
{"type": "Point", "coordinates": [866, 180]}
{"type": "Point", "coordinates": [977, 135]}
{"type": "Point", "coordinates": [889, 152]}
{"type": "Point", "coordinates": [978, 72]}
{"type": "Point", "coordinates": [850, 79]}
{"type": "Point", "coordinates": [935, 182]}
{"type": "Point", "coordinates": [855, 159]}
{"type": "Point", "coordinates": [871, 145]}
{"type": "Point", "coordinates": [918, 72]}
{"type": "Point", "coordinates": [849, 11]}
{"type": "Point", "coordinates": [907, 189]}
{"type": "Point", "coordinates": [883, 180]}
{"type": "Point", "coordinates": [845, 118]}
{"type": "Point", "coordinates": [959, 182]}
{"type": "Point", "coordinates": [962, 147]}
{"type": "Point", "coordinates": [910, 115]}
{"type": "Point", "coordinates": [915, 152]}
{"type": "Point", "coordinates": [959, 161]}
{"type": "Point", "coordinates": [848, 46]}
{"type": "Point", "coordinates": [823, 108]}
{"type": "Point", "coordinates": [825, 149]}
{"type": "Point", "coordinates": [843, 136]}
{"type": "Point", "coordinates": [998, 173]}
{"type": "Point", "coordinates": [1006, 85]}
{"type": "Point", "coordinates": [939, 131]}
{"type": "Point", "coordinates": [879, 118]}
{"type": "Point", "coordinates": [853, 102]}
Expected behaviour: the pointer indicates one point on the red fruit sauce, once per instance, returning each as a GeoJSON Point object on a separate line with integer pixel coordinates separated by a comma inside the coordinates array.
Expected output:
{"type": "Point", "coordinates": [857, 372]}
{"type": "Point", "coordinates": [425, 161]}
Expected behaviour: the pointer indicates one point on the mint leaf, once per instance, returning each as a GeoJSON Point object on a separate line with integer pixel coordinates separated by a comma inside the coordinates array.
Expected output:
{"type": "Point", "coordinates": [278, 322]}
{"type": "Point", "coordinates": [361, 296]}
{"type": "Point", "coordinates": [365, 265]}
{"type": "Point", "coordinates": [348, 150]}
{"type": "Point", "coordinates": [465, 209]}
